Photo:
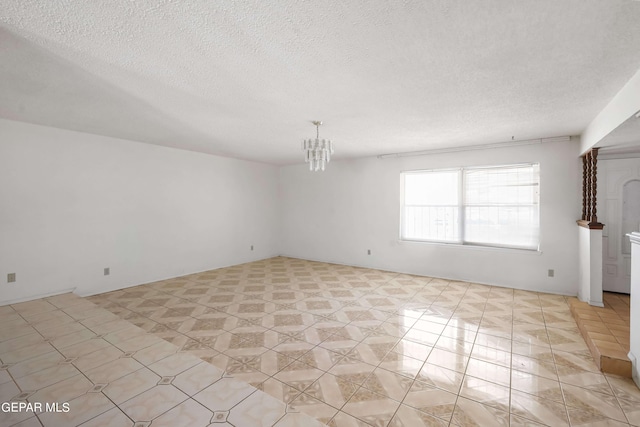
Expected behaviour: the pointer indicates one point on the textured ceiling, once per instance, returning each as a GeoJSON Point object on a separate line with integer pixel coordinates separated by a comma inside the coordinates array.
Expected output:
{"type": "Point", "coordinates": [245, 79]}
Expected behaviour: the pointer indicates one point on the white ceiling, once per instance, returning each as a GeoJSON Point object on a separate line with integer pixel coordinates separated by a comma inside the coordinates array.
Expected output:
{"type": "Point", "coordinates": [245, 79]}
{"type": "Point", "coordinates": [623, 140]}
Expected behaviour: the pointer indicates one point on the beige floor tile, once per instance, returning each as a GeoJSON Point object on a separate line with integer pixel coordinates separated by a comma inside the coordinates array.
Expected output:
{"type": "Point", "coordinates": [197, 378]}
{"type": "Point", "coordinates": [282, 391]}
{"type": "Point", "coordinates": [63, 391]}
{"type": "Point", "coordinates": [111, 371]}
{"type": "Point", "coordinates": [81, 409]}
{"type": "Point", "coordinates": [36, 364]}
{"type": "Point", "coordinates": [470, 413]}
{"type": "Point", "coordinates": [174, 364]}
{"type": "Point", "coordinates": [47, 377]}
{"type": "Point", "coordinates": [401, 364]}
{"type": "Point", "coordinates": [412, 349]}
{"type": "Point", "coordinates": [430, 400]}
{"type": "Point", "coordinates": [587, 405]}
{"type": "Point", "coordinates": [25, 353]}
{"type": "Point", "coordinates": [309, 405]}
{"type": "Point", "coordinates": [541, 367]}
{"type": "Point", "coordinates": [576, 359]}
{"type": "Point", "coordinates": [15, 329]}
{"type": "Point", "coordinates": [318, 337]}
{"type": "Point", "coordinates": [485, 392]}
{"type": "Point", "coordinates": [408, 416]}
{"type": "Point", "coordinates": [493, 355]}
{"type": "Point", "coordinates": [299, 375]}
{"type": "Point", "coordinates": [446, 359]}
{"type": "Point", "coordinates": [342, 419]}
{"type": "Point", "coordinates": [85, 347]}
{"type": "Point", "coordinates": [539, 386]}
{"type": "Point", "coordinates": [224, 394]}
{"type": "Point", "coordinates": [153, 402]}
{"type": "Point", "coordinates": [30, 422]}
{"type": "Point", "coordinates": [538, 409]}
{"type": "Point", "coordinates": [296, 419]}
{"type": "Point", "coordinates": [388, 383]}
{"type": "Point", "coordinates": [13, 418]}
{"type": "Point", "coordinates": [370, 407]}
{"type": "Point", "coordinates": [8, 391]}
{"type": "Point", "coordinates": [489, 372]}
{"type": "Point", "coordinates": [112, 418]}
{"type": "Point", "coordinates": [102, 325]}
{"type": "Point", "coordinates": [97, 358]}
{"type": "Point", "coordinates": [454, 345]}
{"type": "Point", "coordinates": [595, 381]}
{"type": "Point", "coordinates": [517, 421]}
{"type": "Point", "coordinates": [437, 376]}
{"type": "Point", "coordinates": [4, 376]}
{"type": "Point", "coordinates": [20, 342]}
{"type": "Point", "coordinates": [334, 390]}
{"type": "Point", "coordinates": [154, 353]}
{"type": "Point", "coordinates": [493, 341]}
{"type": "Point", "coordinates": [187, 413]}
{"type": "Point", "coordinates": [131, 385]}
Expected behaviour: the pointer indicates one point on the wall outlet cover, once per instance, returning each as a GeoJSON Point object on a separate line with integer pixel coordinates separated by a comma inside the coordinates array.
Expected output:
{"type": "Point", "coordinates": [11, 277]}
{"type": "Point", "coordinates": [107, 271]}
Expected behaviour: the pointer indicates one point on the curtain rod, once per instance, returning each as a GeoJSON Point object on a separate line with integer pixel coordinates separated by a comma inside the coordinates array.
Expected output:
{"type": "Point", "coordinates": [475, 147]}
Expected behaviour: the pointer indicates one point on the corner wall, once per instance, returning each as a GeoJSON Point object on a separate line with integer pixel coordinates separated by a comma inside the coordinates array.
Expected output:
{"type": "Point", "coordinates": [336, 216]}
{"type": "Point", "coordinates": [74, 203]}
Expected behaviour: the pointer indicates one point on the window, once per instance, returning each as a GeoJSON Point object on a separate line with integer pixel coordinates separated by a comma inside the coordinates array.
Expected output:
{"type": "Point", "coordinates": [489, 206]}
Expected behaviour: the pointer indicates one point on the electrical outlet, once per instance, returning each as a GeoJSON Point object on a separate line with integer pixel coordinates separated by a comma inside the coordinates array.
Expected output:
{"type": "Point", "coordinates": [11, 277]}
{"type": "Point", "coordinates": [251, 247]}
{"type": "Point", "coordinates": [107, 271]}
{"type": "Point", "coordinates": [551, 272]}
{"type": "Point", "coordinates": [368, 251]}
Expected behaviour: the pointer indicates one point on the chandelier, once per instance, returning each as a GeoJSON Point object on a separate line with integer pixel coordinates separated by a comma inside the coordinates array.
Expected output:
{"type": "Point", "coordinates": [317, 152]}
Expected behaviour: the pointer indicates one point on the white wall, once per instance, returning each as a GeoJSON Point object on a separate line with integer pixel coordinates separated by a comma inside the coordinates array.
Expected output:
{"type": "Point", "coordinates": [624, 105]}
{"type": "Point", "coordinates": [613, 174]}
{"type": "Point", "coordinates": [634, 313]}
{"type": "Point", "coordinates": [353, 206]}
{"type": "Point", "coordinates": [73, 203]}
{"type": "Point", "coordinates": [590, 266]}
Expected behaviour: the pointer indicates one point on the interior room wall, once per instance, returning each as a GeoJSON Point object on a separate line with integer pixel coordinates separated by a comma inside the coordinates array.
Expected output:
{"type": "Point", "coordinates": [73, 204]}
{"type": "Point", "coordinates": [354, 206]}
{"type": "Point", "coordinates": [613, 174]}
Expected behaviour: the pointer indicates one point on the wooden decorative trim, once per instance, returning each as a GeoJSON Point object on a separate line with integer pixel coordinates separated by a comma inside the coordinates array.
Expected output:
{"type": "Point", "coordinates": [584, 187]}
{"type": "Point", "coordinates": [594, 185]}
{"type": "Point", "coordinates": [590, 225]}
{"type": "Point", "coordinates": [590, 191]}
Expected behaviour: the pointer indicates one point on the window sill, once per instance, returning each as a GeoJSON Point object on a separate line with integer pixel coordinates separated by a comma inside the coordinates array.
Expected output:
{"type": "Point", "coordinates": [473, 247]}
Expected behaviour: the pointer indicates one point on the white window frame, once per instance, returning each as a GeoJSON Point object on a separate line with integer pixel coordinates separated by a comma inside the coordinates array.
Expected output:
{"type": "Point", "coordinates": [462, 207]}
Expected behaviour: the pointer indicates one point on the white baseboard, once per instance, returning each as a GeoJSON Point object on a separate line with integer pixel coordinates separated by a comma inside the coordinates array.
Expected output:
{"type": "Point", "coordinates": [634, 368]}
{"type": "Point", "coordinates": [38, 296]}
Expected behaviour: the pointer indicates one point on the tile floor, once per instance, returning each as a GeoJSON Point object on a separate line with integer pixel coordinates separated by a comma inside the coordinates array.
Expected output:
{"type": "Point", "coordinates": [606, 331]}
{"type": "Point", "coordinates": [66, 350]}
{"type": "Point", "coordinates": [347, 346]}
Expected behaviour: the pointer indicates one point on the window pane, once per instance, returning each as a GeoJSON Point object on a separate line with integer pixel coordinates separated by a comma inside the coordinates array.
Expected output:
{"type": "Point", "coordinates": [431, 223]}
{"type": "Point", "coordinates": [515, 226]}
{"type": "Point", "coordinates": [501, 206]}
{"type": "Point", "coordinates": [506, 185]}
{"type": "Point", "coordinates": [439, 188]}
{"type": "Point", "coordinates": [431, 210]}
